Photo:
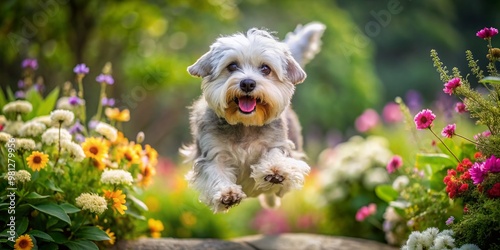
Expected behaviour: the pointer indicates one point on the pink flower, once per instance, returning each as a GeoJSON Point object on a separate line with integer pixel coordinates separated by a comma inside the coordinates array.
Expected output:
{"type": "Point", "coordinates": [366, 121]}
{"type": "Point", "coordinates": [395, 163]}
{"type": "Point", "coordinates": [270, 222]}
{"type": "Point", "coordinates": [30, 63]}
{"type": "Point", "coordinates": [450, 220]}
{"type": "Point", "coordinates": [366, 211]}
{"type": "Point", "coordinates": [460, 107]}
{"type": "Point", "coordinates": [487, 33]}
{"type": "Point", "coordinates": [392, 113]}
{"type": "Point", "coordinates": [451, 85]}
{"type": "Point", "coordinates": [424, 119]}
{"type": "Point", "coordinates": [449, 130]}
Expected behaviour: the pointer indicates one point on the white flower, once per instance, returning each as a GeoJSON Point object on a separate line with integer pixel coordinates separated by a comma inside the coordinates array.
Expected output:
{"type": "Point", "coordinates": [32, 129]}
{"type": "Point", "coordinates": [51, 135]}
{"type": "Point", "coordinates": [469, 247]}
{"type": "Point", "coordinates": [3, 120]}
{"type": "Point", "coordinates": [92, 202]}
{"type": "Point", "coordinates": [400, 182]}
{"type": "Point", "coordinates": [4, 137]}
{"type": "Point", "coordinates": [107, 131]}
{"type": "Point", "coordinates": [22, 176]}
{"type": "Point", "coordinates": [428, 236]}
{"type": "Point", "coordinates": [62, 117]}
{"type": "Point", "coordinates": [19, 106]}
{"type": "Point", "coordinates": [74, 149]}
{"type": "Point", "coordinates": [13, 127]}
{"type": "Point", "coordinates": [63, 103]}
{"type": "Point", "coordinates": [116, 177]}
{"type": "Point", "coordinates": [43, 119]}
{"type": "Point", "coordinates": [374, 177]}
{"type": "Point", "coordinates": [444, 242]}
{"type": "Point", "coordinates": [25, 144]}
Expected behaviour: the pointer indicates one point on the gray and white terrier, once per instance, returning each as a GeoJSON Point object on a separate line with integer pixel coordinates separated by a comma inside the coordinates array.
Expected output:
{"type": "Point", "coordinates": [247, 140]}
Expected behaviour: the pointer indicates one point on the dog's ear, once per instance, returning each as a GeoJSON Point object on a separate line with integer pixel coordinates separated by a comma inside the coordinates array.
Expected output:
{"type": "Point", "coordinates": [202, 67]}
{"type": "Point", "coordinates": [294, 72]}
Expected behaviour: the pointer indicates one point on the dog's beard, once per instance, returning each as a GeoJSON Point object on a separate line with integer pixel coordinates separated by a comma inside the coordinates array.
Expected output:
{"type": "Point", "coordinates": [255, 108]}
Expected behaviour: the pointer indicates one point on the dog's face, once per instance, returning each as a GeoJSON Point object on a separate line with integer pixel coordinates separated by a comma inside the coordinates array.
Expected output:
{"type": "Point", "coordinates": [248, 79]}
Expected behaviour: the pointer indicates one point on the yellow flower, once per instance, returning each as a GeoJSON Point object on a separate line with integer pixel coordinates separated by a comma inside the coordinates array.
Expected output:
{"type": "Point", "coordinates": [151, 154]}
{"type": "Point", "coordinates": [37, 160]}
{"type": "Point", "coordinates": [147, 174]}
{"type": "Point", "coordinates": [116, 115]}
{"type": "Point", "coordinates": [99, 164]}
{"type": "Point", "coordinates": [155, 227]}
{"type": "Point", "coordinates": [24, 242]}
{"type": "Point", "coordinates": [111, 235]}
{"type": "Point", "coordinates": [95, 148]}
{"type": "Point", "coordinates": [118, 199]}
{"type": "Point", "coordinates": [129, 154]}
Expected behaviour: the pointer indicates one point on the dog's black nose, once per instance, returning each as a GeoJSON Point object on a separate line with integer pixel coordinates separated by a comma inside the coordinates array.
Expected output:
{"type": "Point", "coordinates": [247, 85]}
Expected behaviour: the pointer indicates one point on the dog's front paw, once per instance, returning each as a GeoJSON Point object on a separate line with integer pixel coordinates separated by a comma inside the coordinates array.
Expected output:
{"type": "Point", "coordinates": [227, 197]}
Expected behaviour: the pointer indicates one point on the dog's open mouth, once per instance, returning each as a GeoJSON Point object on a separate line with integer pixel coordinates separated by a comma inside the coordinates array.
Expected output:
{"type": "Point", "coordinates": [247, 104]}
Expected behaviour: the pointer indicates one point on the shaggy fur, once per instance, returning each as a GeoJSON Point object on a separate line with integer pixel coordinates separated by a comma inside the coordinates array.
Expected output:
{"type": "Point", "coordinates": [247, 140]}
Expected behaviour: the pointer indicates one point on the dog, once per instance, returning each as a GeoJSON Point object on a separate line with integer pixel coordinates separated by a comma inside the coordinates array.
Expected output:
{"type": "Point", "coordinates": [246, 138]}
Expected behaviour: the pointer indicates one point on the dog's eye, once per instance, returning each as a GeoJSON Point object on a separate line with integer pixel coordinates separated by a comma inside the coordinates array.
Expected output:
{"type": "Point", "coordinates": [265, 70]}
{"type": "Point", "coordinates": [232, 67]}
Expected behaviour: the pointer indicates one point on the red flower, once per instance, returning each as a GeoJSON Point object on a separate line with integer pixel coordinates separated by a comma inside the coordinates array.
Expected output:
{"type": "Point", "coordinates": [463, 187]}
{"type": "Point", "coordinates": [478, 155]}
{"type": "Point", "coordinates": [494, 192]}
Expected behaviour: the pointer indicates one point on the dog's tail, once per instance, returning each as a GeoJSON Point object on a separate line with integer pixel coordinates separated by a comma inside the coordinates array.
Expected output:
{"type": "Point", "coordinates": [305, 41]}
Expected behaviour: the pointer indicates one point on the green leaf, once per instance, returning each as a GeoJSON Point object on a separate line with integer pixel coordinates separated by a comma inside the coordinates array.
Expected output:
{"type": "Point", "coordinates": [54, 210]}
{"type": "Point", "coordinates": [41, 235]}
{"type": "Point", "coordinates": [138, 202]}
{"type": "Point", "coordinates": [50, 185]}
{"type": "Point", "coordinates": [22, 225]}
{"type": "Point", "coordinates": [91, 233]}
{"type": "Point", "coordinates": [386, 193]}
{"type": "Point", "coordinates": [35, 195]}
{"type": "Point", "coordinates": [34, 97]}
{"type": "Point", "coordinates": [58, 237]}
{"type": "Point", "coordinates": [3, 99]}
{"type": "Point", "coordinates": [81, 245]}
{"type": "Point", "coordinates": [10, 95]}
{"type": "Point", "coordinates": [48, 104]}
{"type": "Point", "coordinates": [69, 209]}
{"type": "Point", "coordinates": [491, 80]}
{"type": "Point", "coordinates": [435, 161]}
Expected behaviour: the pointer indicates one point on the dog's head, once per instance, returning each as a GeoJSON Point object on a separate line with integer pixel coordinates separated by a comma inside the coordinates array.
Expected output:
{"type": "Point", "coordinates": [248, 79]}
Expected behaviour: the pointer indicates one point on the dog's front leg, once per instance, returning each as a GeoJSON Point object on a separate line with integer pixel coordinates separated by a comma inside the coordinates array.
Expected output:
{"type": "Point", "coordinates": [216, 184]}
{"type": "Point", "coordinates": [276, 169]}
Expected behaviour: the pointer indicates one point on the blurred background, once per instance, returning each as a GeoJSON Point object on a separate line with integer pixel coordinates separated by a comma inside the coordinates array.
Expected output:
{"type": "Point", "coordinates": [372, 52]}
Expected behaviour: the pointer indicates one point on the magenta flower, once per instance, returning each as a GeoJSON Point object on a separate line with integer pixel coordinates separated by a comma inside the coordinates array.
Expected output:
{"type": "Point", "coordinates": [81, 69]}
{"type": "Point", "coordinates": [30, 63]}
{"type": "Point", "coordinates": [75, 101]}
{"type": "Point", "coordinates": [395, 163]}
{"type": "Point", "coordinates": [477, 173]}
{"type": "Point", "coordinates": [451, 85]}
{"type": "Point", "coordinates": [424, 119]}
{"type": "Point", "coordinates": [366, 211]}
{"type": "Point", "coordinates": [392, 113]}
{"type": "Point", "coordinates": [487, 33]}
{"type": "Point", "coordinates": [102, 78]}
{"type": "Point", "coordinates": [460, 107]}
{"type": "Point", "coordinates": [492, 165]}
{"type": "Point", "coordinates": [449, 130]}
{"type": "Point", "coordinates": [366, 121]}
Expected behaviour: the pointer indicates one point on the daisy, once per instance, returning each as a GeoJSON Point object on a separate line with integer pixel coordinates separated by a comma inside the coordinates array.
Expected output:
{"type": "Point", "coordinates": [74, 149]}
{"type": "Point", "coordinates": [448, 131]}
{"type": "Point", "coordinates": [95, 148]}
{"type": "Point", "coordinates": [55, 135]}
{"type": "Point", "coordinates": [107, 131]}
{"type": "Point", "coordinates": [424, 119]}
{"type": "Point", "coordinates": [22, 107]}
{"type": "Point", "coordinates": [116, 177]}
{"type": "Point", "coordinates": [25, 144]}
{"type": "Point", "coordinates": [118, 199]}
{"type": "Point", "coordinates": [32, 129]}
{"type": "Point", "coordinates": [24, 242]}
{"type": "Point", "coordinates": [37, 160]}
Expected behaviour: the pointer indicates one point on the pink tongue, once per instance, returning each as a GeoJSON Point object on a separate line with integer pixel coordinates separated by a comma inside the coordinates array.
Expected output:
{"type": "Point", "coordinates": [247, 104]}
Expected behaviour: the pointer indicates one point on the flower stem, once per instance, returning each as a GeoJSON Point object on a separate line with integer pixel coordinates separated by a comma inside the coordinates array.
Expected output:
{"type": "Point", "coordinates": [80, 95]}
{"type": "Point", "coordinates": [444, 144]}
{"type": "Point", "coordinates": [99, 105]}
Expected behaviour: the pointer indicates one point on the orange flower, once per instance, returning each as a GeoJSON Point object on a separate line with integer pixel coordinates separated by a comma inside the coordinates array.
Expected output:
{"type": "Point", "coordinates": [129, 154]}
{"type": "Point", "coordinates": [37, 160]}
{"type": "Point", "coordinates": [155, 227]}
{"type": "Point", "coordinates": [95, 148]}
{"type": "Point", "coordinates": [24, 242]}
{"type": "Point", "coordinates": [118, 199]}
{"type": "Point", "coordinates": [116, 115]}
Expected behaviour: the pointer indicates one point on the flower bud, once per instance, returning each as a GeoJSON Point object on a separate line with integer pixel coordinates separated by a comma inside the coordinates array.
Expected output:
{"type": "Point", "coordinates": [140, 137]}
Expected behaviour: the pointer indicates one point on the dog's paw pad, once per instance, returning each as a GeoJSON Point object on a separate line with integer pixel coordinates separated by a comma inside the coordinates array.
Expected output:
{"type": "Point", "coordinates": [231, 198]}
{"type": "Point", "coordinates": [274, 178]}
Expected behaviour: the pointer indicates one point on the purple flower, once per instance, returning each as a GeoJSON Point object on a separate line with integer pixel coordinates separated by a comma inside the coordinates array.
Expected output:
{"type": "Point", "coordinates": [76, 128]}
{"type": "Point", "coordinates": [424, 119]}
{"type": "Point", "coordinates": [109, 102]}
{"type": "Point", "coordinates": [93, 124]}
{"type": "Point", "coordinates": [39, 87]}
{"type": "Point", "coordinates": [21, 84]}
{"type": "Point", "coordinates": [451, 85]}
{"type": "Point", "coordinates": [74, 101]}
{"type": "Point", "coordinates": [476, 173]}
{"type": "Point", "coordinates": [81, 69]}
{"type": "Point", "coordinates": [449, 130]}
{"type": "Point", "coordinates": [492, 165]}
{"type": "Point", "coordinates": [79, 138]}
{"type": "Point", "coordinates": [102, 78]}
{"type": "Point", "coordinates": [20, 94]}
{"type": "Point", "coordinates": [487, 33]}
{"type": "Point", "coordinates": [413, 100]}
{"type": "Point", "coordinates": [30, 63]}
{"type": "Point", "coordinates": [460, 107]}
{"type": "Point", "coordinates": [450, 220]}
{"type": "Point", "coordinates": [395, 163]}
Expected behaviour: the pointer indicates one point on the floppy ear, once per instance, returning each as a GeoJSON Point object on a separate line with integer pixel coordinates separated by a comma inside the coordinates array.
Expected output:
{"type": "Point", "coordinates": [202, 67]}
{"type": "Point", "coordinates": [294, 72]}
